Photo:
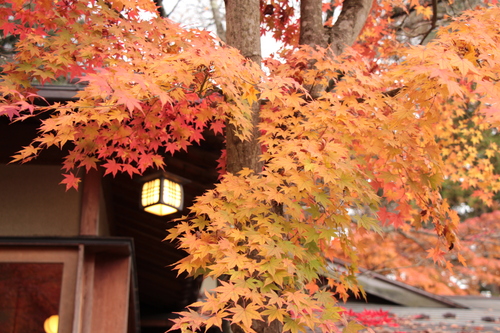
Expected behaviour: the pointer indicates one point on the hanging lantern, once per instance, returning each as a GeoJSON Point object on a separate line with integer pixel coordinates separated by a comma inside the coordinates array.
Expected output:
{"type": "Point", "coordinates": [162, 194]}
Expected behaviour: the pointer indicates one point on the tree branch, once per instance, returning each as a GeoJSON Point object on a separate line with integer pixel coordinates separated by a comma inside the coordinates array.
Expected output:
{"type": "Point", "coordinates": [311, 22]}
{"type": "Point", "coordinates": [219, 27]}
{"type": "Point", "coordinates": [349, 24]}
{"type": "Point", "coordinates": [433, 22]}
{"type": "Point", "coordinates": [414, 239]}
{"type": "Point", "coordinates": [168, 15]}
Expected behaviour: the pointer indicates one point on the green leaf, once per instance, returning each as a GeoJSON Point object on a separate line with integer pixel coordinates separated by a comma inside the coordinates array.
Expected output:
{"type": "Point", "coordinates": [292, 326]}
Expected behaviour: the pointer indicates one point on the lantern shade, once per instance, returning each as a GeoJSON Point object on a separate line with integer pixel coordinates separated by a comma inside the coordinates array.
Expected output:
{"type": "Point", "coordinates": [162, 196]}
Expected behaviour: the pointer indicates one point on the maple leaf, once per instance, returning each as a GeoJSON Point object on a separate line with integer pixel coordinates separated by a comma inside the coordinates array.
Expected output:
{"type": "Point", "coordinates": [425, 11]}
{"type": "Point", "coordinates": [298, 298]}
{"type": "Point", "coordinates": [312, 287]}
{"type": "Point", "coordinates": [190, 319]}
{"type": "Point", "coordinates": [230, 291]}
{"type": "Point", "coordinates": [112, 167]}
{"type": "Point", "coordinates": [9, 110]}
{"type": "Point", "coordinates": [436, 254]}
{"type": "Point", "coordinates": [274, 313]}
{"type": "Point", "coordinates": [245, 315]}
{"type": "Point", "coordinates": [71, 181]}
{"type": "Point", "coordinates": [130, 169]}
{"type": "Point", "coordinates": [353, 327]}
{"type": "Point", "coordinates": [216, 319]}
{"type": "Point", "coordinates": [292, 326]}
{"type": "Point", "coordinates": [130, 103]}
{"type": "Point", "coordinates": [326, 6]}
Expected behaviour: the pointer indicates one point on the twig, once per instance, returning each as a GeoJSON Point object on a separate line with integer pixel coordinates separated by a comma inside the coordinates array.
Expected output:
{"type": "Point", "coordinates": [433, 22]}
{"type": "Point", "coordinates": [417, 241]}
{"type": "Point", "coordinates": [173, 9]}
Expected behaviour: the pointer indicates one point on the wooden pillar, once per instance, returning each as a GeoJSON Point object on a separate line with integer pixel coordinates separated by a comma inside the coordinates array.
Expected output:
{"type": "Point", "coordinates": [111, 294]}
{"type": "Point", "coordinates": [103, 292]}
{"type": "Point", "coordinates": [89, 216]}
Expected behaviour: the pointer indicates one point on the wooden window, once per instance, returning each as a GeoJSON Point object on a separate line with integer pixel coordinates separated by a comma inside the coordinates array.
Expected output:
{"type": "Point", "coordinates": [39, 282]}
{"type": "Point", "coordinates": [88, 282]}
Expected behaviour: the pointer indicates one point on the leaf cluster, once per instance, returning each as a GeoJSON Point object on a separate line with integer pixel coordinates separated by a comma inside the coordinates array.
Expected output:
{"type": "Point", "coordinates": [150, 87]}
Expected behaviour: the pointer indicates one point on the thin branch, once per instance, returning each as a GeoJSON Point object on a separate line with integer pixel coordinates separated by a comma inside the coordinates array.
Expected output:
{"type": "Point", "coordinates": [173, 9]}
{"type": "Point", "coordinates": [433, 22]}
{"type": "Point", "coordinates": [219, 27]}
{"type": "Point", "coordinates": [414, 239]}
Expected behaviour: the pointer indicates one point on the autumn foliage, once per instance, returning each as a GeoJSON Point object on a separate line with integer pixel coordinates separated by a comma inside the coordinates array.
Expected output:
{"type": "Point", "coordinates": [366, 152]}
{"type": "Point", "coordinates": [404, 254]}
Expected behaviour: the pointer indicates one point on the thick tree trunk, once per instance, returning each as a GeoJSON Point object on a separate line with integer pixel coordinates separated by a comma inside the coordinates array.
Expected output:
{"type": "Point", "coordinates": [243, 33]}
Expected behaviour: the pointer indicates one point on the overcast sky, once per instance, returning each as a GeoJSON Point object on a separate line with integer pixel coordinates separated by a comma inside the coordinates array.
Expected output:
{"type": "Point", "coordinates": [191, 13]}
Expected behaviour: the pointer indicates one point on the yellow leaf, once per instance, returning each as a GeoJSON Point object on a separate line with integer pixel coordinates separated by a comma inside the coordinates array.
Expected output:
{"type": "Point", "coordinates": [274, 313]}
{"type": "Point", "coordinates": [245, 315]}
{"type": "Point", "coordinates": [426, 11]}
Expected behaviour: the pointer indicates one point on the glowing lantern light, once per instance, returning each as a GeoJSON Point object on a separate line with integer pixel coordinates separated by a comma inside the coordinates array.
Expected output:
{"type": "Point", "coordinates": [162, 194]}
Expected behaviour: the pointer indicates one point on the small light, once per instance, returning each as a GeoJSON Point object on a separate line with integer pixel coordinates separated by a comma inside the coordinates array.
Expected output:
{"type": "Point", "coordinates": [162, 194]}
{"type": "Point", "coordinates": [51, 324]}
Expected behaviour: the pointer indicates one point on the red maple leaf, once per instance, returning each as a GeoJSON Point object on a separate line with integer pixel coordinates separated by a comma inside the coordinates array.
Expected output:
{"type": "Point", "coordinates": [112, 167]}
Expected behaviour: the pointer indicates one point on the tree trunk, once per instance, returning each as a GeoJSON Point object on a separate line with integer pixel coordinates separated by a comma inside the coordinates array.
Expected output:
{"type": "Point", "coordinates": [243, 33]}
{"type": "Point", "coordinates": [344, 32]}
